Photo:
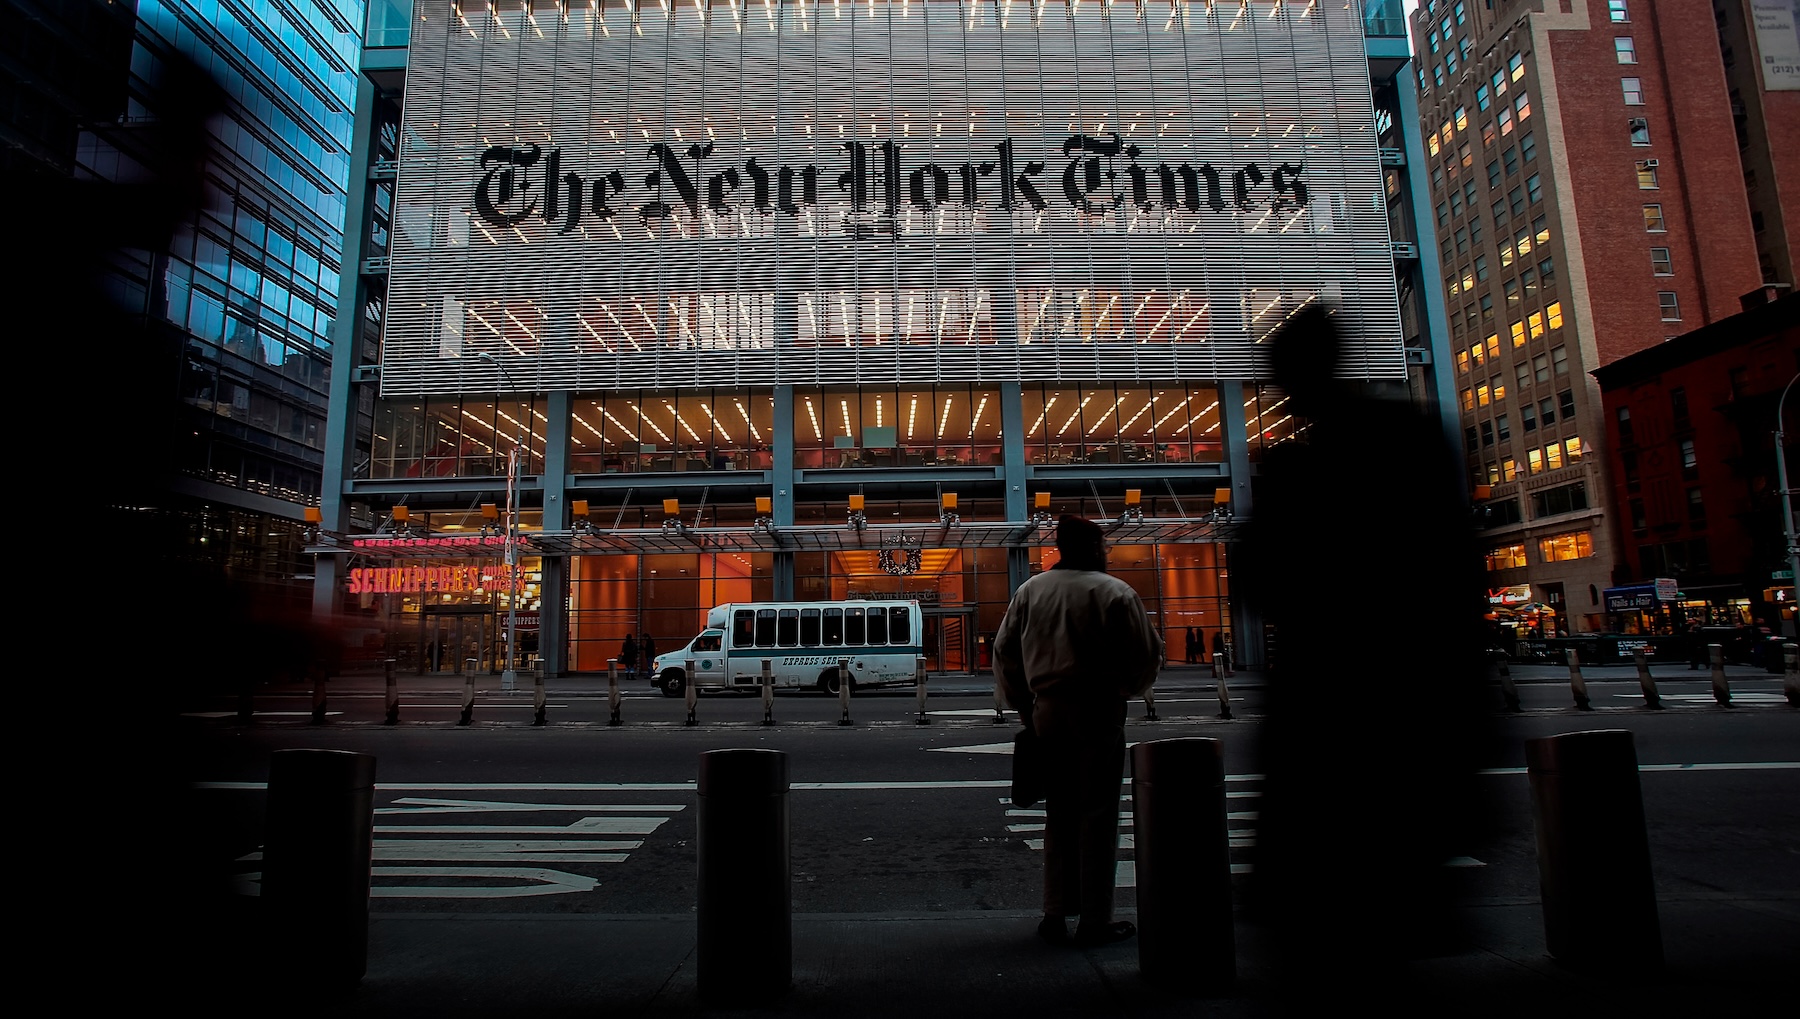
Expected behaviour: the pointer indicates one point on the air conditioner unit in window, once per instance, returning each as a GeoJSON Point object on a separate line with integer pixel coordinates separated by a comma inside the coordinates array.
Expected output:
{"type": "Point", "coordinates": [1650, 164]}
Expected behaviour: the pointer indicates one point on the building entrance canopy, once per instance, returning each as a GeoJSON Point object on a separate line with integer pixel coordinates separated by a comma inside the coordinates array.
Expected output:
{"type": "Point", "coordinates": [676, 537]}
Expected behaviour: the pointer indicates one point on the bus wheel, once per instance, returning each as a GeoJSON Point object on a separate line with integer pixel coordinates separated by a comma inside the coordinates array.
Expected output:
{"type": "Point", "coordinates": [674, 683]}
{"type": "Point", "coordinates": [828, 682]}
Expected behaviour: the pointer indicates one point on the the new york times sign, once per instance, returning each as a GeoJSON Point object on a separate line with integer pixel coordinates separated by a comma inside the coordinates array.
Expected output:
{"type": "Point", "coordinates": [695, 179]}
{"type": "Point", "coordinates": [632, 195]}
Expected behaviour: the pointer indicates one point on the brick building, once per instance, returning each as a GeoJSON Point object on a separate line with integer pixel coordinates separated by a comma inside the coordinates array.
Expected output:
{"type": "Point", "coordinates": [1691, 451]}
{"type": "Point", "coordinates": [1589, 199]}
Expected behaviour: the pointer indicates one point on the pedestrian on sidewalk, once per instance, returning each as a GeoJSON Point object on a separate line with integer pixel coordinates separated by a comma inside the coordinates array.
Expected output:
{"type": "Point", "coordinates": [628, 656]}
{"type": "Point", "coordinates": [1074, 648]}
{"type": "Point", "coordinates": [1193, 645]}
{"type": "Point", "coordinates": [1221, 649]}
{"type": "Point", "coordinates": [649, 646]}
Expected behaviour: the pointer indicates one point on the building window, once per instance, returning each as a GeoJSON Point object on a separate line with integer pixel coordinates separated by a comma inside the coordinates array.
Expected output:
{"type": "Point", "coordinates": [1528, 417]}
{"type": "Point", "coordinates": [1455, 203]}
{"type": "Point", "coordinates": [1481, 269]}
{"type": "Point", "coordinates": [1499, 211]}
{"type": "Point", "coordinates": [1623, 416]}
{"type": "Point", "coordinates": [1653, 220]}
{"type": "Point", "coordinates": [1466, 156]}
{"type": "Point", "coordinates": [1646, 174]}
{"type": "Point", "coordinates": [1511, 289]}
{"type": "Point", "coordinates": [1660, 263]}
{"type": "Point", "coordinates": [1481, 98]}
{"type": "Point", "coordinates": [1628, 460]}
{"type": "Point", "coordinates": [1487, 134]}
{"type": "Point", "coordinates": [1540, 366]}
{"type": "Point", "coordinates": [1506, 557]}
{"type": "Point", "coordinates": [1443, 213]}
{"type": "Point", "coordinates": [1459, 13]}
{"type": "Point", "coordinates": [1547, 412]}
{"type": "Point", "coordinates": [1516, 65]}
{"type": "Point", "coordinates": [1462, 241]}
{"type": "Point", "coordinates": [1638, 521]}
{"type": "Point", "coordinates": [1437, 74]}
{"type": "Point", "coordinates": [1616, 10]}
{"type": "Point", "coordinates": [1509, 469]}
{"type": "Point", "coordinates": [1547, 270]}
{"type": "Point", "coordinates": [1540, 228]}
{"type": "Point", "coordinates": [1572, 448]}
{"type": "Point", "coordinates": [1559, 359]}
{"type": "Point", "coordinates": [1482, 394]}
{"type": "Point", "coordinates": [1516, 199]}
{"type": "Point", "coordinates": [1499, 82]}
{"type": "Point", "coordinates": [1506, 121]}
{"type": "Point", "coordinates": [1528, 146]}
{"type": "Point", "coordinates": [1670, 304]}
{"type": "Point", "coordinates": [1640, 131]}
{"type": "Point", "coordinates": [1471, 439]}
{"type": "Point", "coordinates": [1678, 406]}
{"type": "Point", "coordinates": [1522, 106]}
{"type": "Point", "coordinates": [1566, 400]}
{"type": "Point", "coordinates": [1690, 461]}
{"type": "Point", "coordinates": [1553, 315]}
{"type": "Point", "coordinates": [1475, 230]}
{"type": "Point", "coordinates": [1500, 427]}
{"type": "Point", "coordinates": [1559, 547]}
{"type": "Point", "coordinates": [1499, 385]}
{"type": "Point", "coordinates": [1625, 49]}
{"type": "Point", "coordinates": [1462, 118]}
{"type": "Point", "coordinates": [1493, 174]}
{"type": "Point", "coordinates": [1535, 322]}
{"type": "Point", "coordinates": [1523, 371]}
{"type": "Point", "coordinates": [1696, 508]}
{"type": "Point", "coordinates": [1487, 433]}
{"type": "Point", "coordinates": [1634, 91]}
{"type": "Point", "coordinates": [1534, 461]}
{"type": "Point", "coordinates": [1532, 189]}
{"type": "Point", "coordinates": [1561, 499]}
{"type": "Point", "coordinates": [1487, 307]}
{"type": "Point", "coordinates": [1468, 399]}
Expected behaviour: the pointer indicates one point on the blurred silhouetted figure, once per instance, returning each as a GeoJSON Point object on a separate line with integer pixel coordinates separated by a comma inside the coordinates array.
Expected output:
{"type": "Point", "coordinates": [1370, 765]}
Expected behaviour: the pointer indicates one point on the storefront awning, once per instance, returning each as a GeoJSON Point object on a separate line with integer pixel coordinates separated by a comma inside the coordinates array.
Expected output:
{"type": "Point", "coordinates": [799, 538]}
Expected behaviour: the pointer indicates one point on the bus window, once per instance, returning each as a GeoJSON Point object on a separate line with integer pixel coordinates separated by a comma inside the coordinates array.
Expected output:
{"type": "Point", "coordinates": [877, 627]}
{"type": "Point", "coordinates": [809, 627]}
{"type": "Point", "coordinates": [899, 625]}
{"type": "Point", "coordinates": [765, 627]}
{"type": "Point", "coordinates": [853, 628]}
{"type": "Point", "coordinates": [834, 627]}
{"type": "Point", "coordinates": [787, 629]}
{"type": "Point", "coordinates": [707, 642]}
{"type": "Point", "coordinates": [743, 628]}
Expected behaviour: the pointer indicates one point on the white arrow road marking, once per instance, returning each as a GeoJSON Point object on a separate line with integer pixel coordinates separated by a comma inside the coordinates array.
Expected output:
{"type": "Point", "coordinates": [597, 825]}
{"type": "Point", "coordinates": [548, 882]}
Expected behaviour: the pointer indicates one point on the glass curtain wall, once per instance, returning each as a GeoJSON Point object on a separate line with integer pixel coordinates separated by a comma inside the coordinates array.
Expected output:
{"type": "Point", "coordinates": [452, 436]}
{"type": "Point", "coordinates": [664, 596]}
{"type": "Point", "coordinates": [908, 426]}
{"type": "Point", "coordinates": [633, 431]}
{"type": "Point", "coordinates": [1108, 424]}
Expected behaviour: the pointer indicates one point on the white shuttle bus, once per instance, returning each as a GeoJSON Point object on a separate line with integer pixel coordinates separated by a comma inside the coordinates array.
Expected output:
{"type": "Point", "coordinates": [803, 642]}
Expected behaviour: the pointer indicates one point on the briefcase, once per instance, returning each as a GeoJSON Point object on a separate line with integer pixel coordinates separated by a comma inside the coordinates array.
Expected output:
{"type": "Point", "coordinates": [1028, 769]}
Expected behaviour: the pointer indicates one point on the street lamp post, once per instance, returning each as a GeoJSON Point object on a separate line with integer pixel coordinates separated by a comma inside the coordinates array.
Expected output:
{"type": "Point", "coordinates": [509, 676]}
{"type": "Point", "coordinates": [1787, 507]}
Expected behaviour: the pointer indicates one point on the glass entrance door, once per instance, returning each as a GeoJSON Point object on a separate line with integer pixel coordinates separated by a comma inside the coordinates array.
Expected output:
{"type": "Point", "coordinates": [451, 639]}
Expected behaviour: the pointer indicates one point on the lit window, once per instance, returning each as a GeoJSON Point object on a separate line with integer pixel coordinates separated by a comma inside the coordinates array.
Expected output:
{"type": "Point", "coordinates": [1499, 387]}
{"type": "Point", "coordinates": [1450, 280]}
{"type": "Point", "coordinates": [1670, 304]}
{"type": "Point", "coordinates": [1689, 459]}
{"type": "Point", "coordinates": [1506, 255]}
{"type": "Point", "coordinates": [1487, 133]}
{"type": "Point", "coordinates": [1634, 91]}
{"type": "Point", "coordinates": [1553, 315]}
{"type": "Point", "coordinates": [1506, 557]}
{"type": "Point", "coordinates": [1653, 219]}
{"type": "Point", "coordinates": [1640, 131]}
{"type": "Point", "coordinates": [1468, 399]}
{"type": "Point", "coordinates": [1506, 120]}
{"type": "Point", "coordinates": [1481, 395]}
{"type": "Point", "coordinates": [1476, 354]}
{"type": "Point", "coordinates": [1468, 156]}
{"type": "Point", "coordinates": [1518, 334]}
{"type": "Point", "coordinates": [1523, 241]}
{"type": "Point", "coordinates": [1615, 9]}
{"type": "Point", "coordinates": [1509, 469]}
{"type": "Point", "coordinates": [1511, 289]}
{"type": "Point", "coordinates": [1553, 457]}
{"type": "Point", "coordinates": [1572, 447]}
{"type": "Point", "coordinates": [1516, 64]}
{"type": "Point", "coordinates": [1574, 545]}
{"type": "Point", "coordinates": [1499, 83]}
{"type": "Point", "coordinates": [1534, 460]}
{"type": "Point", "coordinates": [1626, 51]}
{"type": "Point", "coordinates": [1462, 362]}
{"type": "Point", "coordinates": [1468, 279]}
{"type": "Point", "coordinates": [1462, 118]}
{"type": "Point", "coordinates": [1523, 106]}
{"type": "Point", "coordinates": [1660, 263]}
{"type": "Point", "coordinates": [1646, 174]}
{"type": "Point", "coordinates": [1493, 346]}
{"type": "Point", "coordinates": [1431, 144]}
{"type": "Point", "coordinates": [1493, 473]}
{"type": "Point", "coordinates": [1537, 324]}
{"type": "Point", "coordinates": [1540, 229]}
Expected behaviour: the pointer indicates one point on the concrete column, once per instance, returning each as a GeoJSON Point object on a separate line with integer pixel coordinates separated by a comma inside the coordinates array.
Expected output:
{"type": "Point", "coordinates": [1016, 474]}
{"type": "Point", "coordinates": [781, 478]}
{"type": "Point", "coordinates": [1246, 623]}
{"type": "Point", "coordinates": [553, 588]}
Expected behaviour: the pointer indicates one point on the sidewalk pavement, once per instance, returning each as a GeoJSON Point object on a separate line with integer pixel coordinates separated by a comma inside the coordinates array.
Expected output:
{"type": "Point", "coordinates": [1725, 957]}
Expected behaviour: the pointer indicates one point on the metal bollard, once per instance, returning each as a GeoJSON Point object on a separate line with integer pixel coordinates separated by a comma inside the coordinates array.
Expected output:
{"type": "Point", "coordinates": [1150, 704]}
{"type": "Point", "coordinates": [693, 696]}
{"type": "Point", "coordinates": [1720, 686]}
{"type": "Point", "coordinates": [1593, 854]}
{"type": "Point", "coordinates": [612, 691]}
{"type": "Point", "coordinates": [768, 691]}
{"type": "Point", "coordinates": [919, 677]}
{"type": "Point", "coordinates": [468, 711]}
{"type": "Point", "coordinates": [1651, 698]}
{"type": "Point", "coordinates": [1509, 691]}
{"type": "Point", "coordinates": [1185, 931]}
{"type": "Point", "coordinates": [844, 690]}
{"type": "Point", "coordinates": [318, 695]}
{"type": "Point", "coordinates": [393, 692]}
{"type": "Point", "coordinates": [999, 702]}
{"type": "Point", "coordinates": [1224, 699]}
{"type": "Point", "coordinates": [744, 951]}
{"type": "Point", "coordinates": [537, 693]}
{"type": "Point", "coordinates": [1790, 683]}
{"type": "Point", "coordinates": [1577, 685]}
{"type": "Point", "coordinates": [318, 844]}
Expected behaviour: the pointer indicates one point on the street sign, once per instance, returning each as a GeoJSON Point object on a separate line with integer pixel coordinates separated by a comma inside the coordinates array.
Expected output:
{"type": "Point", "coordinates": [1781, 574]}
